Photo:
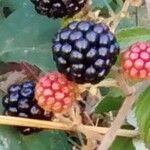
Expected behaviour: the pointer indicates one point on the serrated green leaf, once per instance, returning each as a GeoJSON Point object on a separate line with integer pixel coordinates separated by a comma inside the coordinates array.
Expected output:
{"type": "Point", "coordinates": [119, 2]}
{"type": "Point", "coordinates": [100, 3]}
{"type": "Point", "coordinates": [122, 143]}
{"type": "Point", "coordinates": [28, 36]}
{"type": "Point", "coordinates": [143, 115]}
{"type": "Point", "coordinates": [128, 36]}
{"type": "Point", "coordinates": [111, 102]}
{"type": "Point", "coordinates": [104, 91]}
{"type": "Point", "coordinates": [47, 140]}
{"type": "Point", "coordinates": [11, 139]}
{"type": "Point", "coordinates": [12, 3]}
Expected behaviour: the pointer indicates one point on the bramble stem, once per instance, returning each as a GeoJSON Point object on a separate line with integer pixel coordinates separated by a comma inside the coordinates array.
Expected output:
{"type": "Point", "coordinates": [105, 83]}
{"type": "Point", "coordinates": [112, 132]}
{"type": "Point", "coordinates": [120, 132]}
{"type": "Point", "coordinates": [124, 110]}
{"type": "Point", "coordinates": [121, 15]}
{"type": "Point", "coordinates": [16, 121]}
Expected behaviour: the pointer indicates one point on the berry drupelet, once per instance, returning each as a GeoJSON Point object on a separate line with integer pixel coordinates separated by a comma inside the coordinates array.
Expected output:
{"type": "Point", "coordinates": [20, 102]}
{"type": "Point", "coordinates": [136, 61]}
{"type": "Point", "coordinates": [85, 51]}
{"type": "Point", "coordinates": [58, 8]}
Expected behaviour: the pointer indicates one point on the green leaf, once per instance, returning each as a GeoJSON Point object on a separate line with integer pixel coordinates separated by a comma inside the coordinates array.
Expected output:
{"type": "Point", "coordinates": [119, 2]}
{"type": "Point", "coordinates": [143, 115]}
{"type": "Point", "coordinates": [27, 36]}
{"type": "Point", "coordinates": [11, 139]}
{"type": "Point", "coordinates": [100, 3]}
{"type": "Point", "coordinates": [111, 102]}
{"type": "Point", "coordinates": [47, 140]}
{"type": "Point", "coordinates": [122, 143]}
{"type": "Point", "coordinates": [128, 36]}
{"type": "Point", "coordinates": [12, 3]}
{"type": "Point", "coordinates": [104, 91]}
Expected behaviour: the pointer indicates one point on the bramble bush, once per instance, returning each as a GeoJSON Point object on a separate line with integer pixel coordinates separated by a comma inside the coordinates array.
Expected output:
{"type": "Point", "coordinates": [74, 74]}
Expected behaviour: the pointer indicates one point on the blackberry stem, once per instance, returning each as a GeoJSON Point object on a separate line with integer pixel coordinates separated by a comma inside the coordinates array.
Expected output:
{"type": "Point", "coordinates": [15, 121]}
{"type": "Point", "coordinates": [105, 83]}
{"type": "Point", "coordinates": [124, 110]}
{"type": "Point", "coordinates": [112, 132]}
{"type": "Point", "coordinates": [123, 13]}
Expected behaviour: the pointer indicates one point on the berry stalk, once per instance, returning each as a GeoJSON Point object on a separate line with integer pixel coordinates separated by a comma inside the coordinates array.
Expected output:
{"type": "Point", "coordinates": [15, 121]}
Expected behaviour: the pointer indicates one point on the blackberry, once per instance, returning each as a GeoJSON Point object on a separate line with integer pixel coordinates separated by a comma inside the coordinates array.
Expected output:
{"type": "Point", "coordinates": [20, 102]}
{"type": "Point", "coordinates": [58, 8]}
{"type": "Point", "coordinates": [136, 61]}
{"type": "Point", "coordinates": [54, 93]}
{"type": "Point", "coordinates": [85, 51]}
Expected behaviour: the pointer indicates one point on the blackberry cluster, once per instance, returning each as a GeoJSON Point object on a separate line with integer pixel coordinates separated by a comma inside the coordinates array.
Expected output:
{"type": "Point", "coordinates": [20, 102]}
{"type": "Point", "coordinates": [85, 51]}
{"type": "Point", "coordinates": [58, 8]}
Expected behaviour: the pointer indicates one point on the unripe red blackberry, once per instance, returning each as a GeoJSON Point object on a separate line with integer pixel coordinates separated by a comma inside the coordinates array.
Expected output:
{"type": "Point", "coordinates": [85, 51]}
{"type": "Point", "coordinates": [136, 61]}
{"type": "Point", "coordinates": [20, 102]}
{"type": "Point", "coordinates": [55, 93]}
{"type": "Point", "coordinates": [58, 8]}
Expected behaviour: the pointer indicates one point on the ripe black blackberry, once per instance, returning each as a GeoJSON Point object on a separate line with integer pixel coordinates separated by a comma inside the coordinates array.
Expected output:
{"type": "Point", "coordinates": [58, 8]}
{"type": "Point", "coordinates": [20, 102]}
{"type": "Point", "coordinates": [85, 51]}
